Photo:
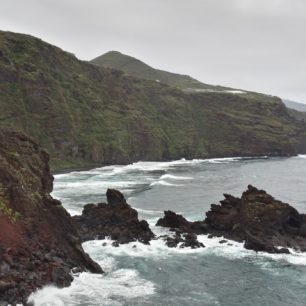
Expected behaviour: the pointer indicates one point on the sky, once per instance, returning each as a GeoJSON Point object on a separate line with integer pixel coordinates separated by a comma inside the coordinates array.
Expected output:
{"type": "Point", "coordinates": [257, 45]}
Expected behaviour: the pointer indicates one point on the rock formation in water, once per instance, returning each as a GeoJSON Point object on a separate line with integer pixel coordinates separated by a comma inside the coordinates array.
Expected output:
{"type": "Point", "coordinates": [39, 244]}
{"type": "Point", "coordinates": [178, 223]}
{"type": "Point", "coordinates": [116, 219]}
{"type": "Point", "coordinates": [257, 219]}
{"type": "Point", "coordinates": [183, 240]}
{"type": "Point", "coordinates": [185, 231]}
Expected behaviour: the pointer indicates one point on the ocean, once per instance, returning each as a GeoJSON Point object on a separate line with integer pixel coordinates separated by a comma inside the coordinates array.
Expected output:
{"type": "Point", "coordinates": [219, 274]}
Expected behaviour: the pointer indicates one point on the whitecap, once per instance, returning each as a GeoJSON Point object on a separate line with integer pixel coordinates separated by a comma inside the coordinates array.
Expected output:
{"type": "Point", "coordinates": [224, 160]}
{"type": "Point", "coordinates": [175, 177]}
{"type": "Point", "coordinates": [95, 289]}
{"type": "Point", "coordinates": [301, 156]}
{"type": "Point", "coordinates": [231, 249]}
{"type": "Point", "coordinates": [148, 211]}
{"type": "Point", "coordinates": [163, 183]}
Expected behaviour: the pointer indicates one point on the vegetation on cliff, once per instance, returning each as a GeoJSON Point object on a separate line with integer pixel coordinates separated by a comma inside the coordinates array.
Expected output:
{"type": "Point", "coordinates": [85, 114]}
{"type": "Point", "coordinates": [135, 67]}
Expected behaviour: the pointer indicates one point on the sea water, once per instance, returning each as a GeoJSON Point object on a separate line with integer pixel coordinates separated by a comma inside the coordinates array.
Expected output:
{"type": "Point", "coordinates": [219, 274]}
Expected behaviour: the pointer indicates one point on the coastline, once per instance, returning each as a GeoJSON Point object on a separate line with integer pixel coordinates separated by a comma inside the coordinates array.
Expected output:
{"type": "Point", "coordinates": [87, 166]}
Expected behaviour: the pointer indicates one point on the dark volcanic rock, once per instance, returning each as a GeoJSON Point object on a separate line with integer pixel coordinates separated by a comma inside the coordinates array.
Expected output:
{"type": "Point", "coordinates": [191, 241]}
{"type": "Point", "coordinates": [185, 231]}
{"type": "Point", "coordinates": [39, 244]}
{"type": "Point", "coordinates": [116, 219]}
{"type": "Point", "coordinates": [178, 222]}
{"type": "Point", "coordinates": [257, 219]}
{"type": "Point", "coordinates": [188, 240]}
{"type": "Point", "coordinates": [263, 222]}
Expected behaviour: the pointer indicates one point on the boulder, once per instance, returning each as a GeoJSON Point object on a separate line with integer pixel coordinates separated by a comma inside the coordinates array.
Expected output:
{"type": "Point", "coordinates": [188, 240]}
{"type": "Point", "coordinates": [115, 219]}
{"type": "Point", "coordinates": [177, 222]}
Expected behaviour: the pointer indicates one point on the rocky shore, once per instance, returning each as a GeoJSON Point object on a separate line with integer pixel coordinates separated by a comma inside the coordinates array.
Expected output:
{"type": "Point", "coordinates": [257, 219]}
{"type": "Point", "coordinates": [39, 244]}
{"type": "Point", "coordinates": [115, 219]}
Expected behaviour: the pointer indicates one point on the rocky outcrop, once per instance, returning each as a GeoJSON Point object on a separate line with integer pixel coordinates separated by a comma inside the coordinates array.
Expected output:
{"type": "Point", "coordinates": [116, 219]}
{"type": "Point", "coordinates": [178, 223]}
{"type": "Point", "coordinates": [263, 222]}
{"type": "Point", "coordinates": [257, 219]}
{"type": "Point", "coordinates": [39, 244]}
{"type": "Point", "coordinates": [183, 240]}
{"type": "Point", "coordinates": [185, 231]}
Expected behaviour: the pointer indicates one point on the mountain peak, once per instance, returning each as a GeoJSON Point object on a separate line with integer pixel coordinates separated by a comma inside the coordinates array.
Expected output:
{"type": "Point", "coordinates": [135, 67]}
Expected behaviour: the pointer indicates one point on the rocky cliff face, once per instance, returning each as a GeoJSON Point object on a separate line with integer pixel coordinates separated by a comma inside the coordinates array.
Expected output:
{"type": "Point", "coordinates": [85, 114]}
{"type": "Point", "coordinates": [38, 241]}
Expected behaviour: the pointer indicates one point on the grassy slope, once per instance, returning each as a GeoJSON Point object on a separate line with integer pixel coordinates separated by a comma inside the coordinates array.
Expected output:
{"type": "Point", "coordinates": [84, 114]}
{"type": "Point", "coordinates": [135, 67]}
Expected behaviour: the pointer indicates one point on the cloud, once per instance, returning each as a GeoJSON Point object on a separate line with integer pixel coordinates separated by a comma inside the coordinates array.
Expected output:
{"type": "Point", "coordinates": [253, 44]}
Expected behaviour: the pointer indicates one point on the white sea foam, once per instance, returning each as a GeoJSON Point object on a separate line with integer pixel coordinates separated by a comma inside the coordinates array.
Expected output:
{"type": "Point", "coordinates": [95, 289]}
{"type": "Point", "coordinates": [158, 249]}
{"type": "Point", "coordinates": [164, 183]}
{"type": "Point", "coordinates": [94, 184]}
{"type": "Point", "coordinates": [103, 289]}
{"type": "Point", "coordinates": [149, 211]}
{"type": "Point", "coordinates": [175, 177]}
{"type": "Point", "coordinates": [301, 156]}
{"type": "Point", "coordinates": [138, 166]}
{"type": "Point", "coordinates": [141, 166]}
{"type": "Point", "coordinates": [224, 160]}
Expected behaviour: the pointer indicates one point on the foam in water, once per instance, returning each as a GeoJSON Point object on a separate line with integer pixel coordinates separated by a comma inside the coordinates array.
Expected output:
{"type": "Point", "coordinates": [94, 289]}
{"type": "Point", "coordinates": [78, 187]}
{"type": "Point", "coordinates": [164, 183]}
{"type": "Point", "coordinates": [158, 249]}
{"type": "Point", "coordinates": [301, 156]}
{"type": "Point", "coordinates": [175, 177]}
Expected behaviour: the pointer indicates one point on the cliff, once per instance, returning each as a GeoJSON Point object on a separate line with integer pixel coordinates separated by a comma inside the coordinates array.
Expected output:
{"type": "Point", "coordinates": [39, 244]}
{"type": "Point", "coordinates": [85, 114]}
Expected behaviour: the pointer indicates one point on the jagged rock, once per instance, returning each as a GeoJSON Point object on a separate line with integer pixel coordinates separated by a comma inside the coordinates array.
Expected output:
{"type": "Point", "coordinates": [263, 222]}
{"type": "Point", "coordinates": [177, 222]}
{"type": "Point", "coordinates": [188, 240]}
{"type": "Point", "coordinates": [191, 241]}
{"type": "Point", "coordinates": [172, 242]}
{"type": "Point", "coordinates": [259, 245]}
{"type": "Point", "coordinates": [115, 198]}
{"type": "Point", "coordinates": [257, 219]}
{"type": "Point", "coordinates": [36, 245]}
{"type": "Point", "coordinates": [117, 219]}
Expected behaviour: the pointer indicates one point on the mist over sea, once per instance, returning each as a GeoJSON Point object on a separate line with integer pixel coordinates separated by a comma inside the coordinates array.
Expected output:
{"type": "Point", "coordinates": [219, 274]}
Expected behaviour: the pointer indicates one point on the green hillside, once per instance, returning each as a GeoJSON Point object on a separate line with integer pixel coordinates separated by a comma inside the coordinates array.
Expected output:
{"type": "Point", "coordinates": [135, 67]}
{"type": "Point", "coordinates": [84, 114]}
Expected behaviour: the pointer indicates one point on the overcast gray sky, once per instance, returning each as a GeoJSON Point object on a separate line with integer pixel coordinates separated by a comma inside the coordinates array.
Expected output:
{"type": "Point", "coordinates": [250, 44]}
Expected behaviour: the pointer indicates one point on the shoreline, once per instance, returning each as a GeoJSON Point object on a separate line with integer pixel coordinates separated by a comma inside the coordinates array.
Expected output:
{"type": "Point", "coordinates": [94, 166]}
